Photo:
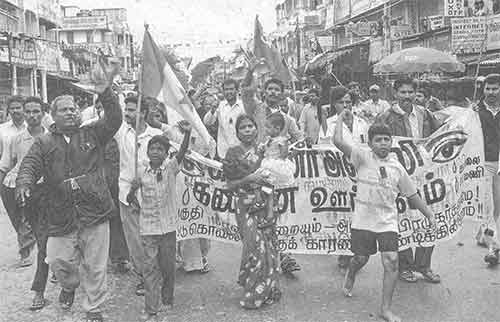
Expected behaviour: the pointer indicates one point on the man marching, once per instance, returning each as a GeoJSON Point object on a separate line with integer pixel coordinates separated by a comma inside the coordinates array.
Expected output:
{"type": "Point", "coordinates": [71, 160]}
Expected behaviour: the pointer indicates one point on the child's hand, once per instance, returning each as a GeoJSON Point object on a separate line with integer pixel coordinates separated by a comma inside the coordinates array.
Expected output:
{"type": "Point", "coordinates": [184, 126]}
{"type": "Point", "coordinates": [132, 200]}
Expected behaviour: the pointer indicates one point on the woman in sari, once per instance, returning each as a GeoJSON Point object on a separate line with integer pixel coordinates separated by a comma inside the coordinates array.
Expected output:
{"type": "Point", "coordinates": [257, 224]}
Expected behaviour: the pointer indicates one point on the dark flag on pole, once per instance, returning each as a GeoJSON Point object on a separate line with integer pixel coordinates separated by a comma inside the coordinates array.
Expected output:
{"type": "Point", "coordinates": [272, 56]}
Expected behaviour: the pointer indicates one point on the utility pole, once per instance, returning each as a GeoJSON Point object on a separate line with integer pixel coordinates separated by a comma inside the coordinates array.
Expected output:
{"type": "Point", "coordinates": [387, 27]}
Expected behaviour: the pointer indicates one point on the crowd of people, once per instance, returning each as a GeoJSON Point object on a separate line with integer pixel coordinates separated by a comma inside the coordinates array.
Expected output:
{"type": "Point", "coordinates": [75, 180]}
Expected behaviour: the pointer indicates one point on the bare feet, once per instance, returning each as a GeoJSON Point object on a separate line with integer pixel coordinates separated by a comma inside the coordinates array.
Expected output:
{"type": "Point", "coordinates": [348, 283]}
{"type": "Point", "coordinates": [388, 316]}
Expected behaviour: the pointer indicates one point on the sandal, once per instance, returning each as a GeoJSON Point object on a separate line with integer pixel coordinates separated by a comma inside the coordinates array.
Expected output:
{"type": "Point", "coordinates": [431, 277]}
{"type": "Point", "coordinates": [66, 299]}
{"type": "Point", "coordinates": [94, 317]}
{"type": "Point", "coordinates": [407, 276]}
{"type": "Point", "coordinates": [205, 268]}
{"type": "Point", "coordinates": [492, 257]}
{"type": "Point", "coordinates": [38, 303]}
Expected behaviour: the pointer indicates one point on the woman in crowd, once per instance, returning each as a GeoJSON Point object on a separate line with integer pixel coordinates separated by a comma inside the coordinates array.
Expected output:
{"type": "Point", "coordinates": [257, 225]}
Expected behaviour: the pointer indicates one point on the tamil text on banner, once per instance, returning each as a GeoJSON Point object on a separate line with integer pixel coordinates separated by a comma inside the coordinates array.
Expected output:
{"type": "Point", "coordinates": [315, 211]}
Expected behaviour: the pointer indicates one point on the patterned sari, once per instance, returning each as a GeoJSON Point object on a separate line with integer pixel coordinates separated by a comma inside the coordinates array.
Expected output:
{"type": "Point", "coordinates": [257, 225]}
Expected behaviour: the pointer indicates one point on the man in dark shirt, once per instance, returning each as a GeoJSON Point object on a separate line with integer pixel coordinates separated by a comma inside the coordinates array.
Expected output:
{"type": "Point", "coordinates": [71, 160]}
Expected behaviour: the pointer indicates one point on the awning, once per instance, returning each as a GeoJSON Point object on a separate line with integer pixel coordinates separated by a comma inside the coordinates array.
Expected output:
{"type": "Point", "coordinates": [321, 60]}
{"type": "Point", "coordinates": [488, 59]}
{"type": "Point", "coordinates": [493, 61]}
{"type": "Point", "coordinates": [83, 87]}
{"type": "Point", "coordinates": [63, 77]}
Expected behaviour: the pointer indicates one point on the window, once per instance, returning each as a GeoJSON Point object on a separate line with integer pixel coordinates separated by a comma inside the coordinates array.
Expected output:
{"type": "Point", "coordinates": [70, 38]}
{"type": "Point", "coordinates": [90, 36]}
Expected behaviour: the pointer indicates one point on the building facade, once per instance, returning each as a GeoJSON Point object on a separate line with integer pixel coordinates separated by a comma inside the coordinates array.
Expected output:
{"type": "Point", "coordinates": [88, 33]}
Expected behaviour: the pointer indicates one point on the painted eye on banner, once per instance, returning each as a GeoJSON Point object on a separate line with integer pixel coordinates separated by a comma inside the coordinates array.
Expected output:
{"type": "Point", "coordinates": [447, 146]}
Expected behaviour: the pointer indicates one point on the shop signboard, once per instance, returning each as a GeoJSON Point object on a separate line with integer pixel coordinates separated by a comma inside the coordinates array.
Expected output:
{"type": "Point", "coordinates": [48, 56]}
{"type": "Point", "coordinates": [468, 35]}
{"type": "Point", "coordinates": [85, 23]}
{"type": "Point", "coordinates": [23, 52]}
{"type": "Point", "coordinates": [4, 49]}
{"type": "Point", "coordinates": [435, 22]}
{"type": "Point", "coordinates": [400, 31]}
{"type": "Point", "coordinates": [454, 8]}
{"type": "Point", "coordinates": [493, 32]}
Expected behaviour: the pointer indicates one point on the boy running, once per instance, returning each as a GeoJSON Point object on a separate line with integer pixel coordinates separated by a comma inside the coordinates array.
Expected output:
{"type": "Point", "coordinates": [380, 177]}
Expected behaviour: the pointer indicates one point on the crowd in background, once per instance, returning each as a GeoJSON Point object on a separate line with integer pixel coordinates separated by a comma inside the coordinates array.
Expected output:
{"type": "Point", "coordinates": [64, 146]}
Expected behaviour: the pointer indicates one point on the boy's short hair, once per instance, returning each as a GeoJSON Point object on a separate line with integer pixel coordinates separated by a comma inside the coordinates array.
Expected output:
{"type": "Point", "coordinates": [33, 99]}
{"type": "Point", "coordinates": [15, 98]}
{"type": "Point", "coordinates": [274, 81]}
{"type": "Point", "coordinates": [277, 119]}
{"type": "Point", "coordinates": [160, 139]}
{"type": "Point", "coordinates": [425, 91]}
{"type": "Point", "coordinates": [492, 79]}
{"type": "Point", "coordinates": [378, 129]}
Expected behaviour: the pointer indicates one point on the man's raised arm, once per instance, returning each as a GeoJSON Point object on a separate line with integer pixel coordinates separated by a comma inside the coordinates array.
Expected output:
{"type": "Point", "coordinates": [338, 138]}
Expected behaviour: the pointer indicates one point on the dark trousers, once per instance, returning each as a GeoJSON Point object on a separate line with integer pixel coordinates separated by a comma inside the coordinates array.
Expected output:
{"type": "Point", "coordinates": [159, 270]}
{"type": "Point", "coordinates": [118, 250]}
{"type": "Point", "coordinates": [25, 236]}
{"type": "Point", "coordinates": [421, 261]}
{"type": "Point", "coordinates": [40, 230]}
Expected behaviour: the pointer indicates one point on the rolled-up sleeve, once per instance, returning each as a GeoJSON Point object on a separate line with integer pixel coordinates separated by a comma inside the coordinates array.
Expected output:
{"type": "Point", "coordinates": [6, 158]}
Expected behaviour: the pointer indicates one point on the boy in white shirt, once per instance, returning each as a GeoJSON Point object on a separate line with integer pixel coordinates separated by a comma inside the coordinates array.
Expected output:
{"type": "Point", "coordinates": [380, 177]}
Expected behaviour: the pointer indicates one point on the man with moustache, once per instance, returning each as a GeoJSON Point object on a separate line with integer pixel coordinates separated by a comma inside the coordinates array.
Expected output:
{"type": "Point", "coordinates": [273, 90]}
{"type": "Point", "coordinates": [8, 130]}
{"type": "Point", "coordinates": [225, 115]}
{"type": "Point", "coordinates": [488, 110]}
{"type": "Point", "coordinates": [14, 152]}
{"type": "Point", "coordinates": [71, 160]}
{"type": "Point", "coordinates": [410, 120]}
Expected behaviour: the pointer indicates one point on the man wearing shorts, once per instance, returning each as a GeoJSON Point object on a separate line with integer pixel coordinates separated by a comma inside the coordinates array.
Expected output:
{"type": "Point", "coordinates": [380, 178]}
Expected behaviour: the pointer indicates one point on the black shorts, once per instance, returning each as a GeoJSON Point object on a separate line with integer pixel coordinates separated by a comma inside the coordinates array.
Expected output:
{"type": "Point", "coordinates": [364, 242]}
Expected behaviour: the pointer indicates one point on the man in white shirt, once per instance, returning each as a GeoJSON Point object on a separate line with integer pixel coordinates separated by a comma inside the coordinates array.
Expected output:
{"type": "Point", "coordinates": [226, 114]}
{"type": "Point", "coordinates": [8, 131]}
{"type": "Point", "coordinates": [375, 105]}
{"type": "Point", "coordinates": [126, 143]}
{"type": "Point", "coordinates": [16, 124]}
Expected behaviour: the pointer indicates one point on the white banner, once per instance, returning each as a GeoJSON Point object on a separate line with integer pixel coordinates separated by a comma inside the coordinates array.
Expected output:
{"type": "Point", "coordinates": [447, 168]}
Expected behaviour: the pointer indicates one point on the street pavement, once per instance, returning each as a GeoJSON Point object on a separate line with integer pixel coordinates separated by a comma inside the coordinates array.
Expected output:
{"type": "Point", "coordinates": [469, 292]}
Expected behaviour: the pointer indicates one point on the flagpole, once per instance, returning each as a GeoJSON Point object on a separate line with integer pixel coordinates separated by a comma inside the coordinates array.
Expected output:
{"type": "Point", "coordinates": [137, 122]}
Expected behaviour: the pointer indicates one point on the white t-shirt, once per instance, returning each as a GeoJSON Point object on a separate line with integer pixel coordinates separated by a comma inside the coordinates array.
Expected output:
{"type": "Point", "coordinates": [379, 183]}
